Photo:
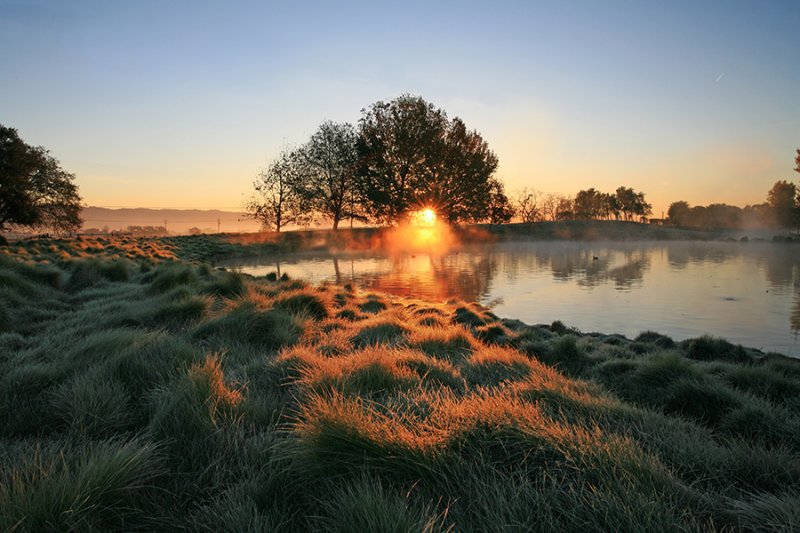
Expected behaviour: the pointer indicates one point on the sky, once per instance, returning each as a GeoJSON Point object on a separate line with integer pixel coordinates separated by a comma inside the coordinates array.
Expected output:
{"type": "Point", "coordinates": [180, 104]}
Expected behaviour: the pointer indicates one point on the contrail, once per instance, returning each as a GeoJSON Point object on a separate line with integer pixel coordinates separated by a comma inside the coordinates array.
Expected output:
{"type": "Point", "coordinates": [719, 78]}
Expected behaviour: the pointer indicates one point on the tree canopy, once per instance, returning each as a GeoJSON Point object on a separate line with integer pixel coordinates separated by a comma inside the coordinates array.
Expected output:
{"type": "Point", "coordinates": [278, 200]}
{"type": "Point", "coordinates": [413, 156]}
{"type": "Point", "coordinates": [328, 162]}
{"type": "Point", "coordinates": [34, 190]}
{"type": "Point", "coordinates": [785, 203]}
{"type": "Point", "coordinates": [797, 161]}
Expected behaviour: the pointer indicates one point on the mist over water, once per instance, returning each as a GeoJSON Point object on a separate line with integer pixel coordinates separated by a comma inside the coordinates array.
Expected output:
{"type": "Point", "coordinates": [747, 293]}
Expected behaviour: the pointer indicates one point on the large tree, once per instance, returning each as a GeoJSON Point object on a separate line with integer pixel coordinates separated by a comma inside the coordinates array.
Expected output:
{"type": "Point", "coordinates": [797, 161]}
{"type": "Point", "coordinates": [501, 211]}
{"type": "Point", "coordinates": [632, 203]}
{"type": "Point", "coordinates": [329, 162]}
{"type": "Point", "coordinates": [279, 200]}
{"type": "Point", "coordinates": [34, 190]}
{"type": "Point", "coordinates": [413, 156]}
{"type": "Point", "coordinates": [785, 204]}
{"type": "Point", "coordinates": [590, 204]}
{"type": "Point", "coordinates": [679, 214]}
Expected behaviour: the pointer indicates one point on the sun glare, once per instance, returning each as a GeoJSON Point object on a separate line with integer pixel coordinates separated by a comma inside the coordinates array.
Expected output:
{"type": "Point", "coordinates": [424, 217]}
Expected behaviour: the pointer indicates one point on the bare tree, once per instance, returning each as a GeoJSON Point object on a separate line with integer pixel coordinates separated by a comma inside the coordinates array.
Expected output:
{"type": "Point", "coordinates": [527, 204]}
{"type": "Point", "coordinates": [279, 200]}
{"type": "Point", "coordinates": [549, 203]}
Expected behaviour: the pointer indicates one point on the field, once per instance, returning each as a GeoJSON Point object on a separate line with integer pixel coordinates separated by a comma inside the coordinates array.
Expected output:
{"type": "Point", "coordinates": [141, 389]}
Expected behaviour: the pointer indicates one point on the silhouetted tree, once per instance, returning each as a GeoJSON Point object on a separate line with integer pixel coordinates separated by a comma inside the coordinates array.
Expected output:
{"type": "Point", "coordinates": [758, 215]}
{"type": "Point", "coordinates": [678, 214]}
{"type": "Point", "coordinates": [565, 210]}
{"type": "Point", "coordinates": [279, 200]}
{"type": "Point", "coordinates": [797, 161]}
{"type": "Point", "coordinates": [589, 204]}
{"type": "Point", "coordinates": [641, 207]}
{"type": "Point", "coordinates": [500, 209]}
{"type": "Point", "coordinates": [785, 204]}
{"type": "Point", "coordinates": [34, 190]}
{"type": "Point", "coordinates": [329, 161]}
{"type": "Point", "coordinates": [550, 204]}
{"type": "Point", "coordinates": [632, 204]}
{"type": "Point", "coordinates": [611, 206]}
{"type": "Point", "coordinates": [626, 197]}
{"type": "Point", "coordinates": [526, 205]}
{"type": "Point", "coordinates": [414, 156]}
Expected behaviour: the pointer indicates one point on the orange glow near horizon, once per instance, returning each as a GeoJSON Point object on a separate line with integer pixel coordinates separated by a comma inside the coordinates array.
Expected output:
{"type": "Point", "coordinates": [422, 232]}
{"type": "Point", "coordinates": [425, 217]}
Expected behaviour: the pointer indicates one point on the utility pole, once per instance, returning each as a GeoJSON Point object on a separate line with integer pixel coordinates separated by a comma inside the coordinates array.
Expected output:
{"type": "Point", "coordinates": [217, 225]}
{"type": "Point", "coordinates": [165, 225]}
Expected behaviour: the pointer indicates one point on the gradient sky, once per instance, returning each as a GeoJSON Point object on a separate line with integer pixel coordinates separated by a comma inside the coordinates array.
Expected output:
{"type": "Point", "coordinates": [179, 104]}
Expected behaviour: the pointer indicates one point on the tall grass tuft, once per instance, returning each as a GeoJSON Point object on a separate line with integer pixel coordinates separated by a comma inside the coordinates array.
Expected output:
{"type": "Point", "coordinates": [303, 303]}
{"type": "Point", "coordinates": [366, 504]}
{"type": "Point", "coordinates": [97, 486]}
{"type": "Point", "coordinates": [88, 272]}
{"type": "Point", "coordinates": [269, 330]}
{"type": "Point", "coordinates": [190, 412]}
{"type": "Point", "coordinates": [388, 333]}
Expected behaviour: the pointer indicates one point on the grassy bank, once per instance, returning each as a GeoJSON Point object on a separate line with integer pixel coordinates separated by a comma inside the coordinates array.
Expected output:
{"type": "Point", "coordinates": [213, 247]}
{"type": "Point", "coordinates": [163, 395]}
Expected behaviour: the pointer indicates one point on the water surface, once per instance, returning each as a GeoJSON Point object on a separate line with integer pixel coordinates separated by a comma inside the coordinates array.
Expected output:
{"type": "Point", "coordinates": [748, 293]}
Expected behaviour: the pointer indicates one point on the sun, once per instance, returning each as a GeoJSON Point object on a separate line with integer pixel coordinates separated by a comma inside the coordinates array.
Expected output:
{"type": "Point", "coordinates": [424, 217]}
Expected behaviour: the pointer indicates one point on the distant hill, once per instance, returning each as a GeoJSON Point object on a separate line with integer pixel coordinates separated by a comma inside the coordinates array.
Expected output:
{"type": "Point", "coordinates": [177, 220]}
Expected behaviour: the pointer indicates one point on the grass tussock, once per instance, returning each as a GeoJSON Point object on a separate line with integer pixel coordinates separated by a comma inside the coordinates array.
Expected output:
{"type": "Point", "coordinates": [139, 393]}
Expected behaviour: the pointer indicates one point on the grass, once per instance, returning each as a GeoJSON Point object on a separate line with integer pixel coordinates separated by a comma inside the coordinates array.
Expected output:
{"type": "Point", "coordinates": [144, 393]}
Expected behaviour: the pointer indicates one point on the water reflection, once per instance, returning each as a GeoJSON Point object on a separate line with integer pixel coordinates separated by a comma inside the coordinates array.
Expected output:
{"type": "Point", "coordinates": [465, 276]}
{"type": "Point", "coordinates": [747, 292]}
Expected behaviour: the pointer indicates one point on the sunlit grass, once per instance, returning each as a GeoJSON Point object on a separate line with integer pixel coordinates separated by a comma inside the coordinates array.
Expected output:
{"type": "Point", "coordinates": [144, 394]}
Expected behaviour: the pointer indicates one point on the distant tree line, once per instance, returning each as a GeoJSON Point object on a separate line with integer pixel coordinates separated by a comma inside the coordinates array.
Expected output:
{"type": "Point", "coordinates": [590, 204]}
{"type": "Point", "coordinates": [781, 210]}
{"type": "Point", "coordinates": [403, 156]}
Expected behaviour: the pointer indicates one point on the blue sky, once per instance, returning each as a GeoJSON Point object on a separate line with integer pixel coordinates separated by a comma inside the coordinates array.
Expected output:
{"type": "Point", "coordinates": [179, 104]}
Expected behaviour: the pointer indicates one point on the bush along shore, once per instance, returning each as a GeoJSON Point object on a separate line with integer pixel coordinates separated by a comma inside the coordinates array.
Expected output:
{"type": "Point", "coordinates": [170, 396]}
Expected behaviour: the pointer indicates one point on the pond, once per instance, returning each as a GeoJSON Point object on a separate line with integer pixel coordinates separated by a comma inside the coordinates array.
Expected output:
{"type": "Point", "coordinates": [745, 292]}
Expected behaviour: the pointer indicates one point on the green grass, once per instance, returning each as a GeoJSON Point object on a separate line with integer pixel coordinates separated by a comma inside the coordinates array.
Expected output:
{"type": "Point", "coordinates": [142, 394]}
